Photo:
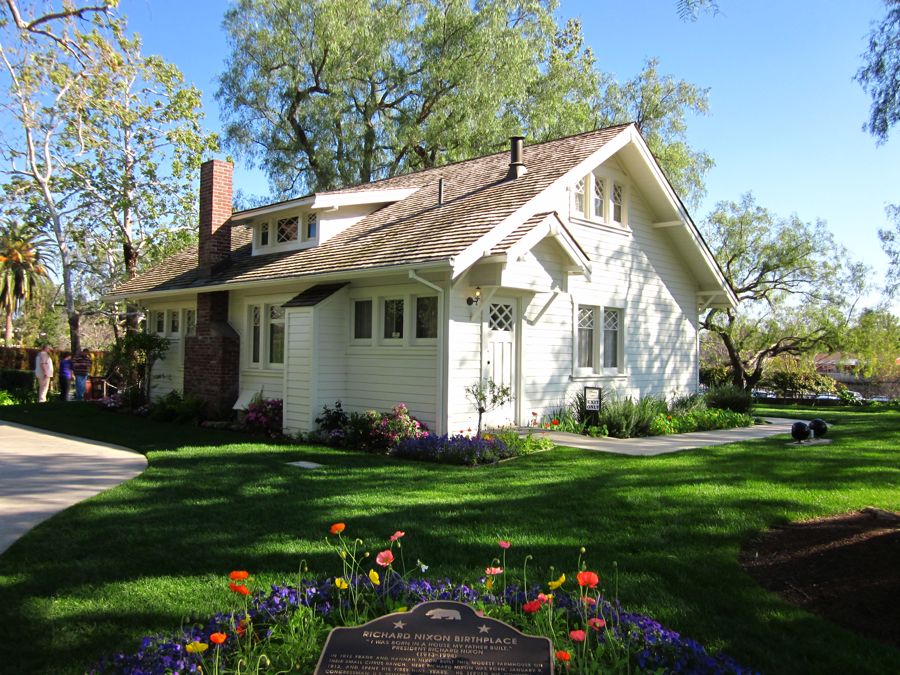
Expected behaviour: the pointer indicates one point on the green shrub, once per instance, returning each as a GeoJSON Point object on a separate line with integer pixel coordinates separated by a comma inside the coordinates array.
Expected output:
{"type": "Point", "coordinates": [681, 405]}
{"type": "Point", "coordinates": [729, 397]}
{"type": "Point", "coordinates": [174, 408]}
{"type": "Point", "coordinates": [715, 376]}
{"type": "Point", "coordinates": [699, 420]}
{"type": "Point", "coordinates": [523, 445]}
{"type": "Point", "coordinates": [627, 418]}
{"type": "Point", "coordinates": [6, 398]}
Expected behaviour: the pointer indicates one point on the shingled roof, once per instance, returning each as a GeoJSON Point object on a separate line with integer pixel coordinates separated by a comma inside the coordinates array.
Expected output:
{"type": "Point", "coordinates": [415, 230]}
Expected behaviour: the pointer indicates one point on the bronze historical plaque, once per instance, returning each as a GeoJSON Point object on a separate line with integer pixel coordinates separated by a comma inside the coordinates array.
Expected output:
{"type": "Point", "coordinates": [440, 637]}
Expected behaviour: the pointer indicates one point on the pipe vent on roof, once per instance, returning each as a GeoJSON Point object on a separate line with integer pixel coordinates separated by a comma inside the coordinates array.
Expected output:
{"type": "Point", "coordinates": [516, 165]}
{"type": "Point", "coordinates": [440, 191]}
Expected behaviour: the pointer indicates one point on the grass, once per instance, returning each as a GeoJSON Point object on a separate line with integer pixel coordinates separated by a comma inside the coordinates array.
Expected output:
{"type": "Point", "coordinates": [152, 553]}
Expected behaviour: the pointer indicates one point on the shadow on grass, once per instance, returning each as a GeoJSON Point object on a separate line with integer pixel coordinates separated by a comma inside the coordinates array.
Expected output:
{"type": "Point", "coordinates": [142, 557]}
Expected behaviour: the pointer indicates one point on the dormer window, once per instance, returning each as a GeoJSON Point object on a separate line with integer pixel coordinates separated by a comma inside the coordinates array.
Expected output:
{"type": "Point", "coordinates": [618, 200]}
{"type": "Point", "coordinates": [264, 234]}
{"type": "Point", "coordinates": [287, 230]}
{"type": "Point", "coordinates": [312, 222]}
{"type": "Point", "coordinates": [580, 197]}
{"type": "Point", "coordinates": [599, 198]}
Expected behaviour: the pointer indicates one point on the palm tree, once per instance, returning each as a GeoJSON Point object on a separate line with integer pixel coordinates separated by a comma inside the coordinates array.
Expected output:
{"type": "Point", "coordinates": [21, 265]}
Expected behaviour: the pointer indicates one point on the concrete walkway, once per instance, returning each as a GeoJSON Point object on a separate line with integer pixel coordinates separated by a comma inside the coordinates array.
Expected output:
{"type": "Point", "coordinates": [661, 445]}
{"type": "Point", "coordinates": [42, 473]}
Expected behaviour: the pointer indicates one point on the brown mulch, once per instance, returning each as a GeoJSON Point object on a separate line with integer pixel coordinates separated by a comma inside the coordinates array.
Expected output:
{"type": "Point", "coordinates": [845, 568]}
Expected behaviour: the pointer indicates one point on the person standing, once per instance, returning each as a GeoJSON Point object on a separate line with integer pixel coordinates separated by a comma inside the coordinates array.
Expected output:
{"type": "Point", "coordinates": [81, 365]}
{"type": "Point", "coordinates": [65, 377]}
{"type": "Point", "coordinates": [43, 371]}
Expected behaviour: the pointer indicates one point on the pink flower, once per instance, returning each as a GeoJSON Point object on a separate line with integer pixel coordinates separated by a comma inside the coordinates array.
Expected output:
{"type": "Point", "coordinates": [596, 623]}
{"type": "Point", "coordinates": [503, 544]}
{"type": "Point", "coordinates": [492, 571]}
{"type": "Point", "coordinates": [577, 635]}
{"type": "Point", "coordinates": [397, 535]}
{"type": "Point", "coordinates": [385, 558]}
{"type": "Point", "coordinates": [531, 607]}
{"type": "Point", "coordinates": [588, 600]}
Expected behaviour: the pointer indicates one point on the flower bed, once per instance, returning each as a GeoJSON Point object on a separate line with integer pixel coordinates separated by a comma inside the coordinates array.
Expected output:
{"type": "Point", "coordinates": [284, 628]}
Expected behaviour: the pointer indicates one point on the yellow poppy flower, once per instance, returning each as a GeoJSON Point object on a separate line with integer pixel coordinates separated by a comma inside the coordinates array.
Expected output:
{"type": "Point", "coordinates": [559, 582]}
{"type": "Point", "coordinates": [196, 647]}
{"type": "Point", "coordinates": [341, 583]}
{"type": "Point", "coordinates": [373, 577]}
{"type": "Point", "coordinates": [489, 583]}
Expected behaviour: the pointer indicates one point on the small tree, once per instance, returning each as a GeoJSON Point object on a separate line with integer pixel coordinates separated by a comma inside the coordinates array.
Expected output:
{"type": "Point", "coordinates": [487, 395]}
{"type": "Point", "coordinates": [133, 356]}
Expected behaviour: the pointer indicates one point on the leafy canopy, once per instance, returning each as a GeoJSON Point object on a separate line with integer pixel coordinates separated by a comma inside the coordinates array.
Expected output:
{"type": "Point", "coordinates": [796, 285]}
{"type": "Point", "coordinates": [336, 92]}
{"type": "Point", "coordinates": [880, 72]}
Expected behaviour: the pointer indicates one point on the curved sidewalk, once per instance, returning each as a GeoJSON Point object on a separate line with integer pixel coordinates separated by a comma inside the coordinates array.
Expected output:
{"type": "Point", "coordinates": [43, 472]}
{"type": "Point", "coordinates": [661, 445]}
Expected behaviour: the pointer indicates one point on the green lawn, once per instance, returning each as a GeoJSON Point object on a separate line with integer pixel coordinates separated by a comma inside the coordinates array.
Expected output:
{"type": "Point", "coordinates": [152, 553]}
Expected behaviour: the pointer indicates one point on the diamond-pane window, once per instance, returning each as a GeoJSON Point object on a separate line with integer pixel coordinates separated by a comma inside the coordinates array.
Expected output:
{"type": "Point", "coordinates": [585, 337]}
{"type": "Point", "coordinates": [500, 317]}
{"type": "Point", "coordinates": [312, 222]}
{"type": "Point", "coordinates": [264, 234]}
{"type": "Point", "coordinates": [617, 202]}
{"type": "Point", "coordinates": [611, 323]}
{"type": "Point", "coordinates": [599, 197]}
{"type": "Point", "coordinates": [580, 197]}
{"type": "Point", "coordinates": [611, 319]}
{"type": "Point", "coordinates": [287, 230]}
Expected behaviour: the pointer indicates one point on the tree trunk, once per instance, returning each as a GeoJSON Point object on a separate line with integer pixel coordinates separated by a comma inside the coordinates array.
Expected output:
{"type": "Point", "coordinates": [8, 333]}
{"type": "Point", "coordinates": [75, 331]}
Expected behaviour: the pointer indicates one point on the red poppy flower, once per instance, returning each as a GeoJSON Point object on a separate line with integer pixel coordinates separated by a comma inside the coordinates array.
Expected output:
{"type": "Point", "coordinates": [596, 623]}
{"type": "Point", "coordinates": [554, 422]}
{"type": "Point", "coordinates": [241, 628]}
{"type": "Point", "coordinates": [240, 589]}
{"type": "Point", "coordinates": [337, 528]}
{"type": "Point", "coordinates": [563, 655]}
{"type": "Point", "coordinates": [532, 607]}
{"type": "Point", "coordinates": [589, 579]}
{"type": "Point", "coordinates": [239, 575]}
{"type": "Point", "coordinates": [218, 638]}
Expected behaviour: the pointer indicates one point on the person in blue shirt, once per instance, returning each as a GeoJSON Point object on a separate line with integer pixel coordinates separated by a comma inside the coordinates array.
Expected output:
{"type": "Point", "coordinates": [65, 377]}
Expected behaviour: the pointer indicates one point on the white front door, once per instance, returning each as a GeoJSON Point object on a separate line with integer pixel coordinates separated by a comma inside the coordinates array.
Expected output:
{"type": "Point", "coordinates": [499, 354]}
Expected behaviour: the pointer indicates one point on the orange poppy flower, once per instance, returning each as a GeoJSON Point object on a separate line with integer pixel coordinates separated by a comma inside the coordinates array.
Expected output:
{"type": "Point", "coordinates": [240, 589]}
{"type": "Point", "coordinates": [217, 638]}
{"type": "Point", "coordinates": [239, 575]}
{"type": "Point", "coordinates": [563, 655]}
{"type": "Point", "coordinates": [589, 579]}
{"type": "Point", "coordinates": [337, 528]}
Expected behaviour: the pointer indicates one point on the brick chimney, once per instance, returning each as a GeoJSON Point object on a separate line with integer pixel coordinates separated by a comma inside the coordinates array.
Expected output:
{"type": "Point", "coordinates": [215, 210]}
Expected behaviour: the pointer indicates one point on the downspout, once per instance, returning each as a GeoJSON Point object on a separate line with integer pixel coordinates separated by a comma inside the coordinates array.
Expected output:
{"type": "Point", "coordinates": [443, 327]}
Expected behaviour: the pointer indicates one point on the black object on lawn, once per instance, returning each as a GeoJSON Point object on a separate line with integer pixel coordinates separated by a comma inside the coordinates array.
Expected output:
{"type": "Point", "coordinates": [800, 431]}
{"type": "Point", "coordinates": [819, 427]}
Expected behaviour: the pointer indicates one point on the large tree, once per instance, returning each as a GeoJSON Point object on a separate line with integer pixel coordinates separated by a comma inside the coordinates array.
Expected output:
{"type": "Point", "coordinates": [324, 93]}
{"type": "Point", "coordinates": [21, 268]}
{"type": "Point", "coordinates": [880, 72]}
{"type": "Point", "coordinates": [796, 285]}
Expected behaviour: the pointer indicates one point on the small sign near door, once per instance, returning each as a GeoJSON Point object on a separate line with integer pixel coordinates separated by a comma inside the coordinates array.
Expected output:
{"type": "Point", "coordinates": [592, 399]}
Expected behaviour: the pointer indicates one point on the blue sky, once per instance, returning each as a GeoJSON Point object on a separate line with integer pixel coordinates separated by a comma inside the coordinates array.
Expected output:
{"type": "Point", "coordinates": [785, 116]}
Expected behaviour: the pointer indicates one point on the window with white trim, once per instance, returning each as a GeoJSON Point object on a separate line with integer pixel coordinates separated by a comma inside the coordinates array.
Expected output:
{"type": "Point", "coordinates": [190, 322]}
{"type": "Point", "coordinates": [264, 234]}
{"type": "Point", "coordinates": [599, 341]}
{"type": "Point", "coordinates": [392, 319]}
{"type": "Point", "coordinates": [580, 197]}
{"type": "Point", "coordinates": [312, 225]}
{"type": "Point", "coordinates": [362, 319]}
{"type": "Point", "coordinates": [599, 198]}
{"type": "Point", "coordinates": [255, 323]}
{"type": "Point", "coordinates": [276, 334]}
{"type": "Point", "coordinates": [612, 325]}
{"type": "Point", "coordinates": [618, 201]}
{"type": "Point", "coordinates": [173, 322]}
{"type": "Point", "coordinates": [426, 317]}
{"type": "Point", "coordinates": [161, 323]}
{"type": "Point", "coordinates": [286, 230]}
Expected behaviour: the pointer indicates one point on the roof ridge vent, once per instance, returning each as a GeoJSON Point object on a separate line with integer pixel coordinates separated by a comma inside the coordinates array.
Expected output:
{"type": "Point", "coordinates": [516, 165]}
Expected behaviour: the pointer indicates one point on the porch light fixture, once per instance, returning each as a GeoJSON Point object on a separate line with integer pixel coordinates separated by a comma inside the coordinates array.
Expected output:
{"type": "Point", "coordinates": [476, 299]}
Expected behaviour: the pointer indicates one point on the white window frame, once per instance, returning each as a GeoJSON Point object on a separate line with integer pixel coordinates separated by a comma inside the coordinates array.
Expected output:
{"type": "Point", "coordinates": [157, 315]}
{"type": "Point", "coordinates": [610, 179]}
{"type": "Point", "coordinates": [185, 324]}
{"type": "Point", "coordinates": [414, 318]}
{"type": "Point", "coordinates": [260, 307]}
{"type": "Point", "coordinates": [264, 228]}
{"type": "Point", "coordinates": [372, 320]}
{"type": "Point", "coordinates": [269, 322]}
{"type": "Point", "coordinates": [297, 225]}
{"type": "Point", "coordinates": [310, 218]}
{"type": "Point", "coordinates": [598, 341]}
{"type": "Point", "coordinates": [382, 316]}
